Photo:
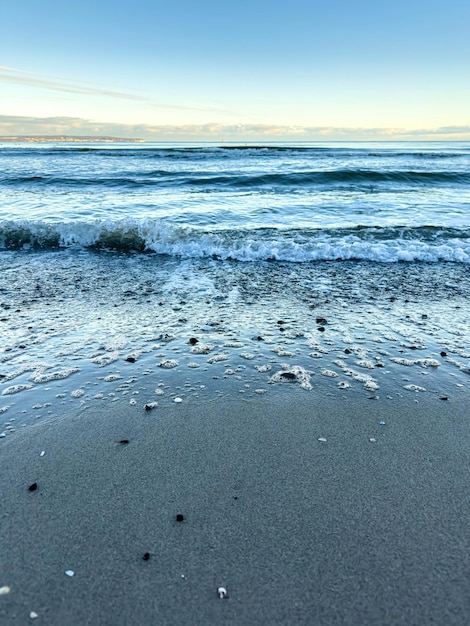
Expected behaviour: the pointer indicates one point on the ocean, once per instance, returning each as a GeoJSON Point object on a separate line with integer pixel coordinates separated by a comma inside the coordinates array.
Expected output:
{"type": "Point", "coordinates": [154, 273]}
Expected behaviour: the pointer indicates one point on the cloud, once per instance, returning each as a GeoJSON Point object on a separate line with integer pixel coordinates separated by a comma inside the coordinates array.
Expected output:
{"type": "Point", "coordinates": [65, 85]}
{"type": "Point", "coordinates": [11, 125]}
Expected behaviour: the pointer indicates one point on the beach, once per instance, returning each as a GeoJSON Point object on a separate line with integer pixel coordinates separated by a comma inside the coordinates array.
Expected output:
{"type": "Point", "coordinates": [305, 509]}
{"type": "Point", "coordinates": [234, 384]}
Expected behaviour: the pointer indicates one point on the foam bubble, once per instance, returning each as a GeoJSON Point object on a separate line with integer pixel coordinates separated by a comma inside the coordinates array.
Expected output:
{"type": "Point", "coordinates": [294, 373]}
{"type": "Point", "coordinates": [15, 389]}
{"type": "Point", "coordinates": [168, 364]}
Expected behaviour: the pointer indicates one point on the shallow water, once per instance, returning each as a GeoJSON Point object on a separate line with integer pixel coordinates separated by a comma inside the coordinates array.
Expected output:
{"type": "Point", "coordinates": [81, 328]}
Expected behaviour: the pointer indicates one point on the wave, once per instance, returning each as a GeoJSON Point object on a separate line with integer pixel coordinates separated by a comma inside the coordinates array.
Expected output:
{"type": "Point", "coordinates": [392, 244]}
{"type": "Point", "coordinates": [151, 178]}
{"type": "Point", "coordinates": [142, 151]}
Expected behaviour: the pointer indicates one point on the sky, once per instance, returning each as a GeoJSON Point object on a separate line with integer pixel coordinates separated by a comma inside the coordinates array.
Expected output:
{"type": "Point", "coordinates": [245, 70]}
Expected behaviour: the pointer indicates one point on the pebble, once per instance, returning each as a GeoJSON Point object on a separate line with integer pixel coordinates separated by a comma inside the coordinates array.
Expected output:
{"type": "Point", "coordinates": [222, 593]}
{"type": "Point", "coordinates": [42, 453]}
{"type": "Point", "coordinates": [372, 439]}
{"type": "Point", "coordinates": [2, 435]}
{"type": "Point", "coordinates": [177, 400]}
{"type": "Point", "coordinates": [146, 556]}
{"type": "Point", "coordinates": [33, 487]}
{"type": "Point", "coordinates": [150, 405]}
{"type": "Point", "coordinates": [69, 572]}
{"type": "Point", "coordinates": [33, 615]}
{"type": "Point", "coordinates": [322, 439]}
{"type": "Point", "coordinates": [382, 423]}
{"type": "Point", "coordinates": [179, 517]}
{"type": "Point", "coordinates": [288, 375]}
{"type": "Point", "coordinates": [4, 590]}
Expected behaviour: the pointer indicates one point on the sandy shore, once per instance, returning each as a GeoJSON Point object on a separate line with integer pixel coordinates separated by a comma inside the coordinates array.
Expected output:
{"type": "Point", "coordinates": [367, 527]}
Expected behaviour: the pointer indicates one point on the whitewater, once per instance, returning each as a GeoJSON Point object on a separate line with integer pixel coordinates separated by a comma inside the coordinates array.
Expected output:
{"type": "Point", "coordinates": [188, 272]}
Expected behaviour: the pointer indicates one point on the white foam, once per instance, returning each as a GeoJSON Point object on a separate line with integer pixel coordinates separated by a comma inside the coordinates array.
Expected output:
{"type": "Point", "coordinates": [15, 389]}
{"type": "Point", "coordinates": [250, 245]}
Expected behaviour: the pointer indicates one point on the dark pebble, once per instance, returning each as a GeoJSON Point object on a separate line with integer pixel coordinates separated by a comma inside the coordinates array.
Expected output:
{"type": "Point", "coordinates": [280, 322]}
{"type": "Point", "coordinates": [379, 365]}
{"type": "Point", "coordinates": [193, 341]}
{"type": "Point", "coordinates": [124, 441]}
{"type": "Point", "coordinates": [179, 517]}
{"type": "Point", "coordinates": [443, 353]}
{"type": "Point", "coordinates": [33, 487]}
{"type": "Point", "coordinates": [347, 351]}
{"type": "Point", "coordinates": [424, 316]}
{"type": "Point", "coordinates": [443, 398]}
{"type": "Point", "coordinates": [321, 320]}
{"type": "Point", "coordinates": [146, 556]}
{"type": "Point", "coordinates": [288, 375]}
{"type": "Point", "coordinates": [130, 359]}
{"type": "Point", "coordinates": [392, 298]}
{"type": "Point", "coordinates": [321, 329]}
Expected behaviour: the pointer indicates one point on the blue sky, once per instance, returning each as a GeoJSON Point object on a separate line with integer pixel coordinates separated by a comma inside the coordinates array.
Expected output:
{"type": "Point", "coordinates": [195, 70]}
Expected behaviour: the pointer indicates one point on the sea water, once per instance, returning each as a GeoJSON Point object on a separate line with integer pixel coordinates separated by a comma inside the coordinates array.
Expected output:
{"type": "Point", "coordinates": [337, 267]}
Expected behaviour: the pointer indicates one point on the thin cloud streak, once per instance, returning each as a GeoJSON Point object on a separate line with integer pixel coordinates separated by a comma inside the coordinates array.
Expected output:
{"type": "Point", "coordinates": [11, 125]}
{"type": "Point", "coordinates": [37, 81]}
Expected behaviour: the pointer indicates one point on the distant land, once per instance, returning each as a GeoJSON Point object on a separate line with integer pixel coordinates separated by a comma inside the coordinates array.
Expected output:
{"type": "Point", "coordinates": [67, 139]}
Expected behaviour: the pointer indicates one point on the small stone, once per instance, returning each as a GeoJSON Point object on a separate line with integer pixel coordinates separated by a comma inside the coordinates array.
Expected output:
{"type": "Point", "coordinates": [372, 439]}
{"type": "Point", "coordinates": [2, 435]}
{"type": "Point", "coordinates": [321, 329]}
{"type": "Point", "coordinates": [179, 517]}
{"type": "Point", "coordinates": [33, 615]}
{"type": "Point", "coordinates": [443, 397]}
{"type": "Point", "coordinates": [321, 320]}
{"type": "Point", "coordinates": [288, 376]}
{"type": "Point", "coordinates": [382, 423]}
{"type": "Point", "coordinates": [322, 439]}
{"type": "Point", "coordinates": [42, 453]}
{"type": "Point", "coordinates": [150, 405]}
{"type": "Point", "coordinates": [178, 400]}
{"type": "Point", "coordinates": [33, 487]}
{"type": "Point", "coordinates": [4, 590]}
{"type": "Point", "coordinates": [443, 353]}
{"type": "Point", "coordinates": [69, 572]}
{"type": "Point", "coordinates": [193, 341]}
{"type": "Point", "coordinates": [222, 593]}
{"type": "Point", "coordinates": [130, 359]}
{"type": "Point", "coordinates": [124, 441]}
{"type": "Point", "coordinates": [146, 556]}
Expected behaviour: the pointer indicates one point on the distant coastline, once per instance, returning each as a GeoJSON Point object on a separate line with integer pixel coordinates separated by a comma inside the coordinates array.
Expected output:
{"type": "Point", "coordinates": [66, 139]}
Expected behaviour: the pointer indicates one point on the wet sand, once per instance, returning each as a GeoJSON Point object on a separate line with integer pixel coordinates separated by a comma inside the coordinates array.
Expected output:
{"type": "Point", "coordinates": [304, 507]}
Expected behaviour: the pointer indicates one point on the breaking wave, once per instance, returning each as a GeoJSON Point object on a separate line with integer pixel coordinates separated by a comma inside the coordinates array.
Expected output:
{"type": "Point", "coordinates": [380, 244]}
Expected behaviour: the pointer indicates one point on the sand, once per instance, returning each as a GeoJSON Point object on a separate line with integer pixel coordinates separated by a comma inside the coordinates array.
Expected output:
{"type": "Point", "coordinates": [305, 508]}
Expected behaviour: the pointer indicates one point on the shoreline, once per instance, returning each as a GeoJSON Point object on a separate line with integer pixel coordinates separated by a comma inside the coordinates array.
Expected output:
{"type": "Point", "coordinates": [298, 530]}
